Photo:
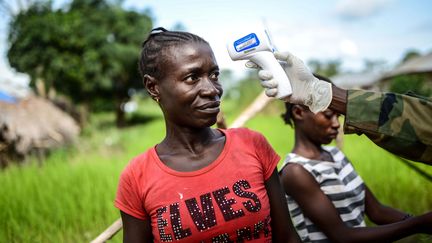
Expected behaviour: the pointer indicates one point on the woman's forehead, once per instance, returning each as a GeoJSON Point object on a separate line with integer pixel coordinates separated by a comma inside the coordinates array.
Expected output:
{"type": "Point", "coordinates": [189, 52]}
{"type": "Point", "coordinates": [190, 49]}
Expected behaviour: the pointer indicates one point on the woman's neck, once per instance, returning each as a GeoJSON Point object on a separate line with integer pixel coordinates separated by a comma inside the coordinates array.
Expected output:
{"type": "Point", "coordinates": [190, 149]}
{"type": "Point", "coordinates": [305, 147]}
{"type": "Point", "coordinates": [192, 140]}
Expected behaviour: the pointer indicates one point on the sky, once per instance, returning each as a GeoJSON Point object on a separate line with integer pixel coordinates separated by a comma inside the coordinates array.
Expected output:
{"type": "Point", "coordinates": [348, 30]}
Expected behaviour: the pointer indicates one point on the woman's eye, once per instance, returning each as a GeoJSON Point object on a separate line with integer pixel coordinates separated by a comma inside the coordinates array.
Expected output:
{"type": "Point", "coordinates": [214, 76]}
{"type": "Point", "coordinates": [191, 78]}
{"type": "Point", "coordinates": [328, 115]}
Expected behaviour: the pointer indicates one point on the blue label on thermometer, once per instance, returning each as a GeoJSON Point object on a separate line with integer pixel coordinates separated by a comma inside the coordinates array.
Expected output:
{"type": "Point", "coordinates": [246, 43]}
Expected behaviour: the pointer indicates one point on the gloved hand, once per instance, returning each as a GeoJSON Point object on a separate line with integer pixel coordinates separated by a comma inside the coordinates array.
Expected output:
{"type": "Point", "coordinates": [307, 89]}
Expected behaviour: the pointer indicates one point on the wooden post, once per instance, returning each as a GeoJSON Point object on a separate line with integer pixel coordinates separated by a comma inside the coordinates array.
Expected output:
{"type": "Point", "coordinates": [109, 232]}
{"type": "Point", "coordinates": [257, 105]}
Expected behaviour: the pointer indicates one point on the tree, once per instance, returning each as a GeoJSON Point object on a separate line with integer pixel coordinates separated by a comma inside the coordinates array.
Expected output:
{"type": "Point", "coordinates": [326, 69]}
{"type": "Point", "coordinates": [409, 55]}
{"type": "Point", "coordinates": [87, 51]}
{"type": "Point", "coordinates": [413, 83]}
{"type": "Point", "coordinates": [179, 26]}
{"type": "Point", "coordinates": [377, 65]}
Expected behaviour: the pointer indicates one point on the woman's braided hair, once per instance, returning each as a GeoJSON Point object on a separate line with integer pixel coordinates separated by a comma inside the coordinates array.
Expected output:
{"type": "Point", "coordinates": [159, 40]}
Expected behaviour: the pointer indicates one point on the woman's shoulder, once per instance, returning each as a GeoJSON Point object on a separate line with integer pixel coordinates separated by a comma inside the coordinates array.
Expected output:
{"type": "Point", "coordinates": [315, 167]}
{"type": "Point", "coordinates": [140, 160]}
{"type": "Point", "coordinates": [332, 149]}
{"type": "Point", "coordinates": [248, 137]}
{"type": "Point", "coordinates": [336, 153]}
{"type": "Point", "coordinates": [294, 160]}
{"type": "Point", "coordinates": [296, 175]}
{"type": "Point", "coordinates": [240, 130]}
{"type": "Point", "coordinates": [244, 132]}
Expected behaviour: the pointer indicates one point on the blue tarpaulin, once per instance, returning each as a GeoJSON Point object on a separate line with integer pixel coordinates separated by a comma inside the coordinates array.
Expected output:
{"type": "Point", "coordinates": [7, 98]}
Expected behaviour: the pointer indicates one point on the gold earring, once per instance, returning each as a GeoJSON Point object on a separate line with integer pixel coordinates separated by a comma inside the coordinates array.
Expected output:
{"type": "Point", "coordinates": [156, 99]}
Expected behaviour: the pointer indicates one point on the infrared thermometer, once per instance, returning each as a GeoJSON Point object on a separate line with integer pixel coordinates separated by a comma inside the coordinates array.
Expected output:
{"type": "Point", "coordinates": [257, 47]}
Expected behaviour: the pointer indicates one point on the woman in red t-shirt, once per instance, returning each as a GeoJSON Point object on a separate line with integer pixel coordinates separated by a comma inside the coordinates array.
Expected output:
{"type": "Point", "coordinates": [199, 184]}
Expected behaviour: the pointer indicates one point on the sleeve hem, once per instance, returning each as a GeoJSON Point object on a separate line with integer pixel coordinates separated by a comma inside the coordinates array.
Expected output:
{"type": "Point", "coordinates": [362, 102]}
{"type": "Point", "coordinates": [273, 166]}
{"type": "Point", "coordinates": [130, 211]}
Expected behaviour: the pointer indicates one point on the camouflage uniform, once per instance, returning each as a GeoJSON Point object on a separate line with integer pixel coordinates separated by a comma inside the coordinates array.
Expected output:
{"type": "Point", "coordinates": [401, 124]}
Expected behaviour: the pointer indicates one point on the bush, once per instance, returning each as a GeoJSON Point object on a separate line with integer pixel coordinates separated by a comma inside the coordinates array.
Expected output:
{"type": "Point", "coordinates": [416, 83]}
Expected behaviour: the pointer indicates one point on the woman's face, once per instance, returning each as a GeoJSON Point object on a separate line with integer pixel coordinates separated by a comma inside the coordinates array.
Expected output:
{"type": "Point", "coordinates": [322, 127]}
{"type": "Point", "coordinates": [189, 88]}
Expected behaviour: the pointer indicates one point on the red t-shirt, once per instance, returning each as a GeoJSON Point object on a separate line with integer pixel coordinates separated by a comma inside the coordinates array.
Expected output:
{"type": "Point", "coordinates": [222, 202]}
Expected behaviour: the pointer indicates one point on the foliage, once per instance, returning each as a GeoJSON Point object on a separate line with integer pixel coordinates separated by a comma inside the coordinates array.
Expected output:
{"type": "Point", "coordinates": [326, 69]}
{"type": "Point", "coordinates": [87, 51]}
{"type": "Point", "coordinates": [409, 55]}
{"type": "Point", "coordinates": [179, 26]}
{"type": "Point", "coordinates": [243, 90]}
{"type": "Point", "coordinates": [377, 65]}
{"type": "Point", "coordinates": [415, 83]}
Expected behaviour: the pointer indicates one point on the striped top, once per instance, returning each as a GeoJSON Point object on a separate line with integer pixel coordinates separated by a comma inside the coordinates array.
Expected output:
{"type": "Point", "coordinates": [342, 185]}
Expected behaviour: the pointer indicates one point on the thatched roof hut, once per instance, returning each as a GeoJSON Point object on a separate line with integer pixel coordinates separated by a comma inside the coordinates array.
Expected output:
{"type": "Point", "coordinates": [376, 80]}
{"type": "Point", "coordinates": [33, 123]}
{"type": "Point", "coordinates": [420, 64]}
{"type": "Point", "coordinates": [364, 80]}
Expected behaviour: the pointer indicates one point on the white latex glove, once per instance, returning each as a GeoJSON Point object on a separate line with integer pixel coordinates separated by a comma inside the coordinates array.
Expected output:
{"type": "Point", "coordinates": [307, 89]}
{"type": "Point", "coordinates": [268, 83]}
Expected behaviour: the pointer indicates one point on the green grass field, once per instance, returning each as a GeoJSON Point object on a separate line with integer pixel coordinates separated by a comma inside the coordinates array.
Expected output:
{"type": "Point", "coordinates": [70, 198]}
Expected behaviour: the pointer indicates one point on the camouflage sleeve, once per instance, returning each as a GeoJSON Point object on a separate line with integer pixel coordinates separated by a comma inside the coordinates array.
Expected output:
{"type": "Point", "coordinates": [401, 124]}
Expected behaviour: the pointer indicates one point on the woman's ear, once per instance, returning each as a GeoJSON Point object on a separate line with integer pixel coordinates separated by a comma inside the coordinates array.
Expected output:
{"type": "Point", "coordinates": [152, 87]}
{"type": "Point", "coordinates": [298, 112]}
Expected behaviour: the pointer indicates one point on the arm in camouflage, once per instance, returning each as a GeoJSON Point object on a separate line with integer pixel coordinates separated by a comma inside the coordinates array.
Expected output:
{"type": "Point", "coordinates": [401, 124]}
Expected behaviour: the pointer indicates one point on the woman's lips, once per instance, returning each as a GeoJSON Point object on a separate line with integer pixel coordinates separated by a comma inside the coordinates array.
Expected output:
{"type": "Point", "coordinates": [210, 107]}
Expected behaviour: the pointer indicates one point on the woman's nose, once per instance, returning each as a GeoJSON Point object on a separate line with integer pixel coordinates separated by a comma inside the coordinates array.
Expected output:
{"type": "Point", "coordinates": [335, 121]}
{"type": "Point", "coordinates": [210, 88]}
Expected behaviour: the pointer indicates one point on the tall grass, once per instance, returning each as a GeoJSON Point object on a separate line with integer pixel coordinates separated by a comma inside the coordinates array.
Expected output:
{"type": "Point", "coordinates": [70, 198]}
